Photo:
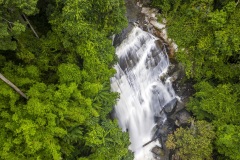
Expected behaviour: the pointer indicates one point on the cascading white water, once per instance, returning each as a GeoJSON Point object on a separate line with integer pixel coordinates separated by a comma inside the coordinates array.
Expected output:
{"type": "Point", "coordinates": [142, 92]}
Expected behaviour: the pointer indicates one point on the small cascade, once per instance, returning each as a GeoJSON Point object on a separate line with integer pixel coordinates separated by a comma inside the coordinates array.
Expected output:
{"type": "Point", "coordinates": [143, 90]}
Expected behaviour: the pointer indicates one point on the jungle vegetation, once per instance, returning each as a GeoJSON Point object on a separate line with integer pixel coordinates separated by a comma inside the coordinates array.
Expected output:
{"type": "Point", "coordinates": [207, 33]}
{"type": "Point", "coordinates": [59, 53]}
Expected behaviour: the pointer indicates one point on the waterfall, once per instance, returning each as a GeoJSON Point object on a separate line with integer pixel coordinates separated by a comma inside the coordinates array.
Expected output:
{"type": "Point", "coordinates": [143, 91]}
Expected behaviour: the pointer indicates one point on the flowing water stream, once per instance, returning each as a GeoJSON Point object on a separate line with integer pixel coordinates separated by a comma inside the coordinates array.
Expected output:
{"type": "Point", "coordinates": [143, 92]}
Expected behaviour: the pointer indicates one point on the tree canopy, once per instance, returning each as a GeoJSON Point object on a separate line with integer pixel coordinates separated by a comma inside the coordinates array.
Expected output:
{"type": "Point", "coordinates": [194, 143]}
{"type": "Point", "coordinates": [59, 53]}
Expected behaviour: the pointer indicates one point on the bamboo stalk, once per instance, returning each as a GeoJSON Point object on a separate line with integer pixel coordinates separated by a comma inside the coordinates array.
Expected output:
{"type": "Point", "coordinates": [13, 86]}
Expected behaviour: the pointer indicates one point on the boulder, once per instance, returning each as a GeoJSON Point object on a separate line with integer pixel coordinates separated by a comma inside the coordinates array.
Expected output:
{"type": "Point", "coordinates": [163, 129]}
{"type": "Point", "coordinates": [170, 107]}
{"type": "Point", "coordinates": [182, 118]}
{"type": "Point", "coordinates": [158, 151]}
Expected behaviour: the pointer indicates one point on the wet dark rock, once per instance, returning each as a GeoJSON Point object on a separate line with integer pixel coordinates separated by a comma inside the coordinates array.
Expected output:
{"type": "Point", "coordinates": [161, 130]}
{"type": "Point", "coordinates": [182, 118]}
{"type": "Point", "coordinates": [170, 107]}
{"type": "Point", "coordinates": [128, 62]}
{"type": "Point", "coordinates": [180, 105]}
{"type": "Point", "coordinates": [133, 11]}
{"type": "Point", "coordinates": [153, 58]}
{"type": "Point", "coordinates": [158, 151]}
{"type": "Point", "coordinates": [175, 76]}
{"type": "Point", "coordinates": [163, 77]}
{"type": "Point", "coordinates": [145, 2]}
{"type": "Point", "coordinates": [176, 70]}
{"type": "Point", "coordinates": [183, 87]}
{"type": "Point", "coordinates": [134, 16]}
{"type": "Point", "coordinates": [112, 114]}
{"type": "Point", "coordinates": [158, 119]}
{"type": "Point", "coordinates": [154, 131]}
{"type": "Point", "coordinates": [123, 63]}
{"type": "Point", "coordinates": [123, 35]}
{"type": "Point", "coordinates": [167, 127]}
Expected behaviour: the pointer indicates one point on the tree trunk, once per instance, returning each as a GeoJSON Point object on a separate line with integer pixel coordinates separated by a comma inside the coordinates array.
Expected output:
{"type": "Point", "coordinates": [13, 86]}
{"type": "Point", "coordinates": [25, 17]}
{"type": "Point", "coordinates": [150, 141]}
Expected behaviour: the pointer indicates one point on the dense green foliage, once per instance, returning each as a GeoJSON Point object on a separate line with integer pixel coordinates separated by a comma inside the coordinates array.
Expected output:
{"type": "Point", "coordinates": [65, 74]}
{"type": "Point", "coordinates": [207, 33]}
{"type": "Point", "coordinates": [218, 104]}
{"type": "Point", "coordinates": [194, 143]}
